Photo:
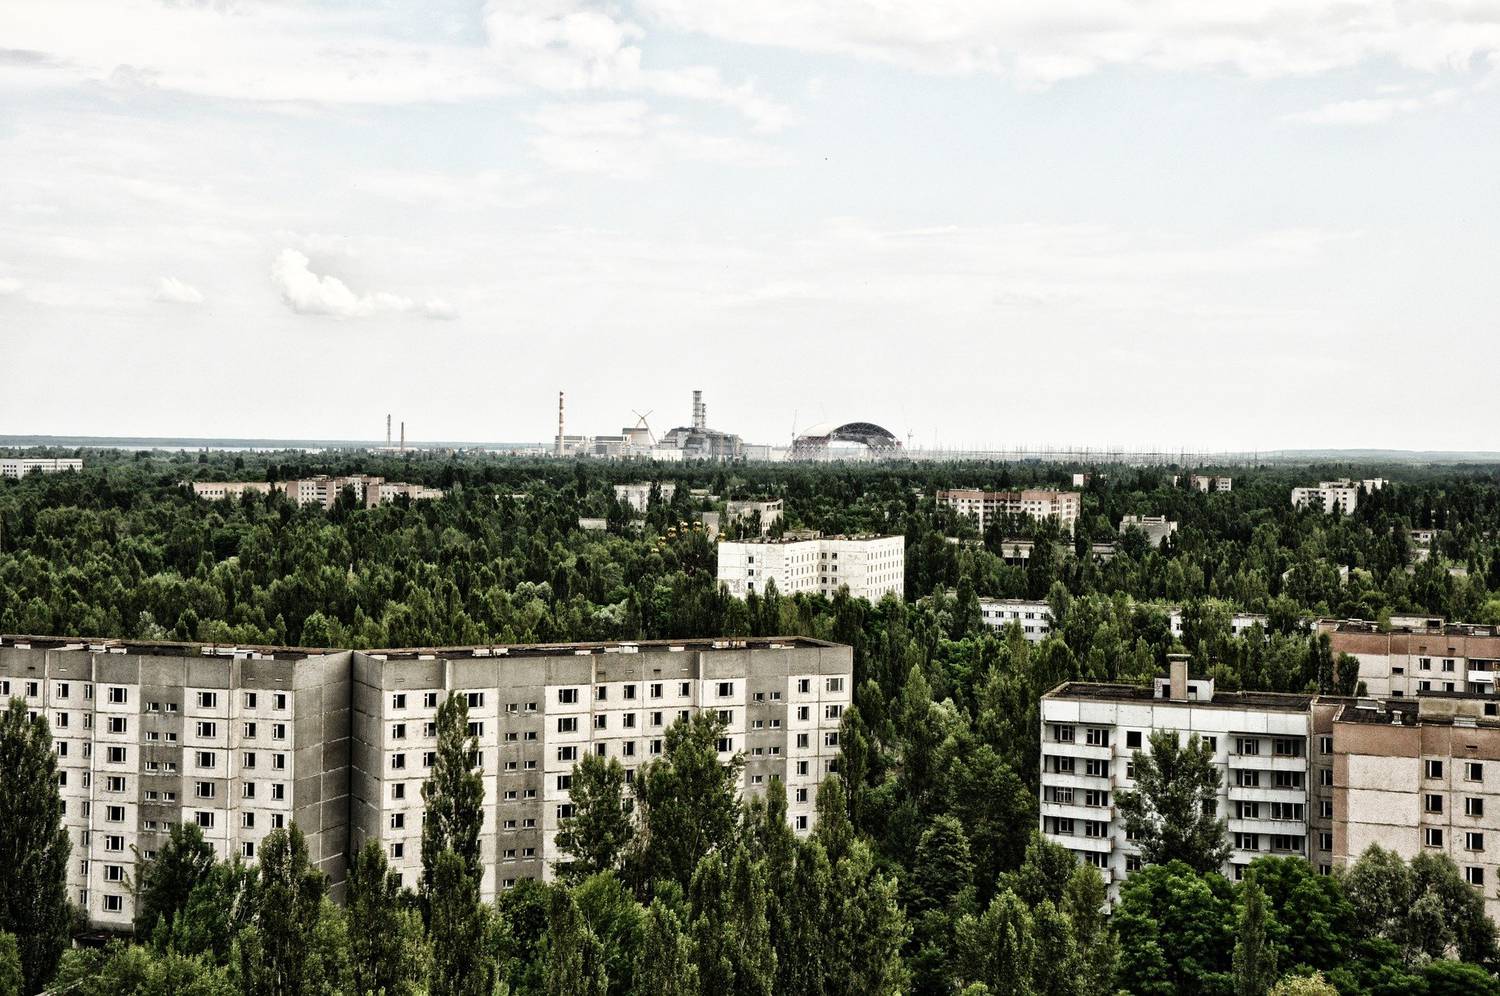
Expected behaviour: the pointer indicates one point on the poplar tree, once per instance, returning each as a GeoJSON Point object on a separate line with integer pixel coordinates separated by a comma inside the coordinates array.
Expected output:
{"type": "Point", "coordinates": [387, 951]}
{"type": "Point", "coordinates": [1172, 810]}
{"type": "Point", "coordinates": [665, 966]}
{"type": "Point", "coordinates": [34, 847]}
{"type": "Point", "coordinates": [1254, 956]}
{"type": "Point", "coordinates": [575, 958]}
{"type": "Point", "coordinates": [453, 795]}
{"type": "Point", "coordinates": [600, 830]}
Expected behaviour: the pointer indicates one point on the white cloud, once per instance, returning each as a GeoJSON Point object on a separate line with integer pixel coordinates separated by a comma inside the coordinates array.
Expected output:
{"type": "Point", "coordinates": [1038, 42]}
{"type": "Point", "coordinates": [626, 138]}
{"type": "Point", "coordinates": [307, 293]}
{"type": "Point", "coordinates": [1373, 110]}
{"type": "Point", "coordinates": [174, 291]}
{"type": "Point", "coordinates": [9, 286]}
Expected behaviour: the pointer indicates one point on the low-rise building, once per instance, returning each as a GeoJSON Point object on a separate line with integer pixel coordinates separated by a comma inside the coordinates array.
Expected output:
{"type": "Point", "coordinates": [1239, 622]}
{"type": "Point", "coordinates": [637, 496]}
{"type": "Point", "coordinates": [1156, 527]}
{"type": "Point", "coordinates": [322, 489]}
{"type": "Point", "coordinates": [770, 512]}
{"type": "Point", "coordinates": [1202, 482]}
{"type": "Point", "coordinates": [220, 490]}
{"type": "Point", "coordinates": [1341, 496]}
{"type": "Point", "coordinates": [871, 567]}
{"type": "Point", "coordinates": [21, 466]}
{"type": "Point", "coordinates": [984, 506]}
{"type": "Point", "coordinates": [1034, 617]}
{"type": "Point", "coordinates": [1262, 744]}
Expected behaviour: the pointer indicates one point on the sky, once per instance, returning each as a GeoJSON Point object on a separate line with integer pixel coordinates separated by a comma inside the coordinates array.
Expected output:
{"type": "Point", "coordinates": [1150, 223]}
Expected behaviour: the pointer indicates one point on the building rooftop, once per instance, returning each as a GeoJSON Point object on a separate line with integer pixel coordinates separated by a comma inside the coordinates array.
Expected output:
{"type": "Point", "coordinates": [1433, 627]}
{"type": "Point", "coordinates": [164, 648]}
{"type": "Point", "coordinates": [774, 541]}
{"type": "Point", "coordinates": [1269, 701]}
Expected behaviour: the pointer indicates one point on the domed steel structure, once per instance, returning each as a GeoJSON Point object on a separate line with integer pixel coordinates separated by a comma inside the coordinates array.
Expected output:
{"type": "Point", "coordinates": [878, 442]}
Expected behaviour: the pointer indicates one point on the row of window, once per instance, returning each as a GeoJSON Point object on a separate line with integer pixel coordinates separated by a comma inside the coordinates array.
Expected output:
{"type": "Point", "coordinates": [1473, 770]}
{"type": "Point", "coordinates": [1432, 802]}
{"type": "Point", "coordinates": [120, 695]}
{"type": "Point", "coordinates": [655, 690]}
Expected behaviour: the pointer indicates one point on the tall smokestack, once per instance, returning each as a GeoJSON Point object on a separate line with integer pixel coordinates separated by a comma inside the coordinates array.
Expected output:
{"type": "Point", "coordinates": [403, 435]}
{"type": "Point", "coordinates": [559, 450]}
{"type": "Point", "coordinates": [700, 411]}
{"type": "Point", "coordinates": [387, 430]}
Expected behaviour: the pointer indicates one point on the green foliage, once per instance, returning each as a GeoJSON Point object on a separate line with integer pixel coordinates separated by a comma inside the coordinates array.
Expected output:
{"type": "Point", "coordinates": [459, 930]}
{"type": "Point", "coordinates": [665, 966]}
{"type": "Point", "coordinates": [121, 970]}
{"type": "Point", "coordinates": [1176, 931]}
{"type": "Point", "coordinates": [1303, 985]}
{"type": "Point", "coordinates": [600, 830]}
{"type": "Point", "coordinates": [11, 978]}
{"type": "Point", "coordinates": [688, 800]}
{"type": "Point", "coordinates": [166, 883]}
{"type": "Point", "coordinates": [453, 795]}
{"type": "Point", "coordinates": [278, 951]}
{"type": "Point", "coordinates": [34, 846]}
{"type": "Point", "coordinates": [1254, 956]}
{"type": "Point", "coordinates": [388, 951]}
{"type": "Point", "coordinates": [1171, 812]}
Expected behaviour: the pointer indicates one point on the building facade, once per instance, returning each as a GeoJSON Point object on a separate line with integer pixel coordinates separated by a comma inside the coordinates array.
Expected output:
{"type": "Point", "coordinates": [1204, 483]}
{"type": "Point", "coordinates": [637, 496]}
{"type": "Point", "coordinates": [1155, 527]}
{"type": "Point", "coordinates": [871, 567]}
{"type": "Point", "coordinates": [1034, 618]}
{"type": "Point", "coordinates": [246, 740]}
{"type": "Point", "coordinates": [1418, 655]}
{"type": "Point", "coordinates": [321, 489]}
{"type": "Point", "coordinates": [770, 512]}
{"type": "Point", "coordinates": [21, 466]}
{"type": "Point", "coordinates": [983, 506]}
{"type": "Point", "coordinates": [1341, 496]}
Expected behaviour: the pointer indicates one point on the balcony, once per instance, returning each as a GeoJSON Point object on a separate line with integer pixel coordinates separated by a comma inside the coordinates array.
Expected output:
{"type": "Point", "coordinates": [1078, 842]}
{"type": "Point", "coordinates": [1076, 780]}
{"type": "Point", "coordinates": [1267, 762]}
{"type": "Point", "coordinates": [1078, 811]}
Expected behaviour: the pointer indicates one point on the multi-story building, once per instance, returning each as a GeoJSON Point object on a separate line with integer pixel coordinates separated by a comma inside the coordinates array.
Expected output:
{"type": "Point", "coordinates": [1204, 483]}
{"type": "Point", "coordinates": [21, 466]}
{"type": "Point", "coordinates": [240, 741]}
{"type": "Point", "coordinates": [637, 496]}
{"type": "Point", "coordinates": [245, 740]}
{"type": "Point", "coordinates": [1262, 745]}
{"type": "Point", "coordinates": [220, 490]}
{"type": "Point", "coordinates": [982, 506]}
{"type": "Point", "coordinates": [1419, 655]}
{"type": "Point", "coordinates": [1239, 622]}
{"type": "Point", "coordinates": [1034, 618]}
{"type": "Point", "coordinates": [1420, 777]}
{"type": "Point", "coordinates": [770, 512]}
{"type": "Point", "coordinates": [322, 489]}
{"type": "Point", "coordinates": [871, 567]}
{"type": "Point", "coordinates": [538, 710]}
{"type": "Point", "coordinates": [1340, 496]}
{"type": "Point", "coordinates": [1155, 527]}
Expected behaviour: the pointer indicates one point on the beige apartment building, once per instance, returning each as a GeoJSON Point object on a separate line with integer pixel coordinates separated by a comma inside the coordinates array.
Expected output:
{"type": "Point", "coordinates": [1419, 655]}
{"type": "Point", "coordinates": [18, 467]}
{"type": "Point", "coordinates": [245, 740]}
{"type": "Point", "coordinates": [321, 489]}
{"type": "Point", "coordinates": [982, 506]}
{"type": "Point", "coordinates": [1419, 776]}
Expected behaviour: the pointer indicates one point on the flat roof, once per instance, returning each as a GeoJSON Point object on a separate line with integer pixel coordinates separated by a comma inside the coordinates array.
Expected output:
{"type": "Point", "coordinates": [769, 541]}
{"type": "Point", "coordinates": [1269, 701]}
{"type": "Point", "coordinates": [166, 648]}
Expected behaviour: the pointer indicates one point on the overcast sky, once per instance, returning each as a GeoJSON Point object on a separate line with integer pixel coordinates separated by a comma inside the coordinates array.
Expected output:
{"type": "Point", "coordinates": [1266, 223]}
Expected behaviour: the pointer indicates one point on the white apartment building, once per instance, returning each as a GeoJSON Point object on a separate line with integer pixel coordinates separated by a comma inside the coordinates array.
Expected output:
{"type": "Point", "coordinates": [1335, 496]}
{"type": "Point", "coordinates": [770, 512]}
{"type": "Point", "coordinates": [220, 490]}
{"type": "Point", "coordinates": [637, 496]}
{"type": "Point", "coordinates": [1204, 483]}
{"type": "Point", "coordinates": [538, 710]}
{"type": "Point", "coordinates": [871, 567]}
{"type": "Point", "coordinates": [1034, 618]}
{"type": "Point", "coordinates": [1261, 743]}
{"type": "Point", "coordinates": [982, 506]}
{"type": "Point", "coordinates": [1156, 527]}
{"type": "Point", "coordinates": [1239, 622]}
{"type": "Point", "coordinates": [322, 489]}
{"type": "Point", "coordinates": [21, 466]}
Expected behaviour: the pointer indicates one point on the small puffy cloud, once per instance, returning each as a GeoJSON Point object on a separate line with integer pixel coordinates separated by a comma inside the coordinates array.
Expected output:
{"type": "Point", "coordinates": [307, 293]}
{"type": "Point", "coordinates": [174, 291]}
{"type": "Point", "coordinates": [1373, 110]}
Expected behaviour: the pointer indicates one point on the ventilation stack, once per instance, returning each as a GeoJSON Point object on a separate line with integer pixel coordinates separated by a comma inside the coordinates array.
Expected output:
{"type": "Point", "coordinates": [403, 435]}
{"type": "Point", "coordinates": [387, 430]}
{"type": "Point", "coordinates": [559, 449]}
{"type": "Point", "coordinates": [700, 412]}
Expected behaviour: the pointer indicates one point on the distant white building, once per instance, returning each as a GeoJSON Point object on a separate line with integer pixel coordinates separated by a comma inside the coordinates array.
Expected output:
{"type": "Point", "coordinates": [322, 489]}
{"type": "Point", "coordinates": [219, 490]}
{"type": "Point", "coordinates": [1034, 618]}
{"type": "Point", "coordinates": [1239, 622]}
{"type": "Point", "coordinates": [982, 506]}
{"type": "Point", "coordinates": [871, 567]}
{"type": "Point", "coordinates": [21, 466]}
{"type": "Point", "coordinates": [770, 512]}
{"type": "Point", "coordinates": [1203, 483]}
{"type": "Point", "coordinates": [638, 495]}
{"type": "Point", "coordinates": [1156, 527]}
{"type": "Point", "coordinates": [1335, 496]}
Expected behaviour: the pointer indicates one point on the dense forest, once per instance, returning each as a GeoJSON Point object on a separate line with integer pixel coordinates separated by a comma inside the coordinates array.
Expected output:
{"type": "Point", "coordinates": [924, 873]}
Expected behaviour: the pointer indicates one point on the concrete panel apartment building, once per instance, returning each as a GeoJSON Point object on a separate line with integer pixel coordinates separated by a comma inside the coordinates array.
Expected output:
{"type": "Point", "coordinates": [982, 506]}
{"type": "Point", "coordinates": [21, 466]}
{"type": "Point", "coordinates": [245, 740]}
{"type": "Point", "coordinates": [1321, 777]}
{"type": "Point", "coordinates": [871, 567]}
{"type": "Point", "coordinates": [1418, 655]}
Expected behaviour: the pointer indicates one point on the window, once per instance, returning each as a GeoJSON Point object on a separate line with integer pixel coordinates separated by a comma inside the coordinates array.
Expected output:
{"type": "Point", "coordinates": [567, 696]}
{"type": "Point", "coordinates": [601, 721]}
{"type": "Point", "coordinates": [116, 755]}
{"type": "Point", "coordinates": [117, 724]}
{"type": "Point", "coordinates": [1062, 734]}
{"type": "Point", "coordinates": [429, 700]}
{"type": "Point", "coordinates": [1133, 739]}
{"type": "Point", "coordinates": [208, 700]}
{"type": "Point", "coordinates": [564, 783]}
{"type": "Point", "coordinates": [112, 783]}
{"type": "Point", "coordinates": [1432, 803]}
{"type": "Point", "coordinates": [1288, 779]}
{"type": "Point", "coordinates": [567, 724]}
{"type": "Point", "coordinates": [1292, 843]}
{"type": "Point", "coordinates": [113, 904]}
{"type": "Point", "coordinates": [726, 689]}
{"type": "Point", "coordinates": [1096, 736]}
{"type": "Point", "coordinates": [1247, 777]}
{"type": "Point", "coordinates": [1248, 746]}
{"type": "Point", "coordinates": [1096, 767]}
{"type": "Point", "coordinates": [1095, 797]}
{"type": "Point", "coordinates": [476, 728]}
{"type": "Point", "coordinates": [1432, 836]}
{"type": "Point", "coordinates": [114, 814]}
{"type": "Point", "coordinates": [207, 731]}
{"type": "Point", "coordinates": [1473, 840]}
{"type": "Point", "coordinates": [398, 761]}
{"type": "Point", "coordinates": [1325, 745]}
{"type": "Point", "coordinates": [1474, 875]}
{"type": "Point", "coordinates": [205, 790]}
{"type": "Point", "coordinates": [1285, 747]}
{"type": "Point", "coordinates": [278, 731]}
{"type": "Point", "coordinates": [1473, 771]}
{"type": "Point", "coordinates": [1434, 769]}
{"type": "Point", "coordinates": [804, 685]}
{"type": "Point", "coordinates": [1325, 776]}
{"type": "Point", "coordinates": [398, 700]}
{"type": "Point", "coordinates": [247, 790]}
{"type": "Point", "coordinates": [249, 700]}
{"type": "Point", "coordinates": [398, 790]}
{"type": "Point", "coordinates": [205, 759]}
{"type": "Point", "coordinates": [834, 685]}
{"type": "Point", "coordinates": [204, 819]}
{"type": "Point", "coordinates": [398, 731]}
{"type": "Point", "coordinates": [568, 754]}
{"type": "Point", "coordinates": [116, 695]}
{"type": "Point", "coordinates": [398, 850]}
{"type": "Point", "coordinates": [1473, 806]}
{"type": "Point", "coordinates": [398, 821]}
{"type": "Point", "coordinates": [249, 731]}
{"type": "Point", "coordinates": [1246, 810]}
